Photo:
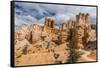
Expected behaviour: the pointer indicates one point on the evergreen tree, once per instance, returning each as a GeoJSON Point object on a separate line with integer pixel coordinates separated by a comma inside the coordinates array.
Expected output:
{"type": "Point", "coordinates": [74, 54]}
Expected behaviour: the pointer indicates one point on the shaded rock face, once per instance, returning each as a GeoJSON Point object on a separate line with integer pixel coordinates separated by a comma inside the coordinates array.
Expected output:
{"type": "Point", "coordinates": [78, 37]}
{"type": "Point", "coordinates": [64, 36]}
{"type": "Point", "coordinates": [71, 24]}
{"type": "Point", "coordinates": [91, 45]}
{"type": "Point", "coordinates": [49, 43]}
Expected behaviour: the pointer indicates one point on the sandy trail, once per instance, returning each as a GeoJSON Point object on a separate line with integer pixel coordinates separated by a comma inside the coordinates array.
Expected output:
{"type": "Point", "coordinates": [85, 56]}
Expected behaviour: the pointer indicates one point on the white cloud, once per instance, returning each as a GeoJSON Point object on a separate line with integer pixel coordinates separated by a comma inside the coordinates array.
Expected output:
{"type": "Point", "coordinates": [32, 12]}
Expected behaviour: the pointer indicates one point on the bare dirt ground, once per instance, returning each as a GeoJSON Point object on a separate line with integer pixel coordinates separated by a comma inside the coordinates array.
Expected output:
{"type": "Point", "coordinates": [88, 56]}
{"type": "Point", "coordinates": [44, 56]}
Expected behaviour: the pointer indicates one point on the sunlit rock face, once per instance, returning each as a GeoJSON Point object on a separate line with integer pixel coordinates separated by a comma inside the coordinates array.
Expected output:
{"type": "Point", "coordinates": [49, 23]}
{"type": "Point", "coordinates": [24, 32]}
{"type": "Point", "coordinates": [63, 26]}
{"type": "Point", "coordinates": [92, 35]}
{"type": "Point", "coordinates": [83, 20]}
{"type": "Point", "coordinates": [36, 32]}
{"type": "Point", "coordinates": [49, 26]}
{"type": "Point", "coordinates": [22, 42]}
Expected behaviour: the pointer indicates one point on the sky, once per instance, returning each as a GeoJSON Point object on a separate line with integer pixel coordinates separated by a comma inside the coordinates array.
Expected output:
{"type": "Point", "coordinates": [30, 13]}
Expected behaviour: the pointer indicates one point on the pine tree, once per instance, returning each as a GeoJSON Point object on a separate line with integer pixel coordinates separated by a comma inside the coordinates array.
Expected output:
{"type": "Point", "coordinates": [74, 54]}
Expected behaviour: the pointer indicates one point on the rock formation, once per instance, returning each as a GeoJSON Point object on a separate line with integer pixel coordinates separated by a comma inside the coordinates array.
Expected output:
{"type": "Point", "coordinates": [36, 33]}
{"type": "Point", "coordinates": [82, 29]}
{"type": "Point", "coordinates": [49, 43]}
